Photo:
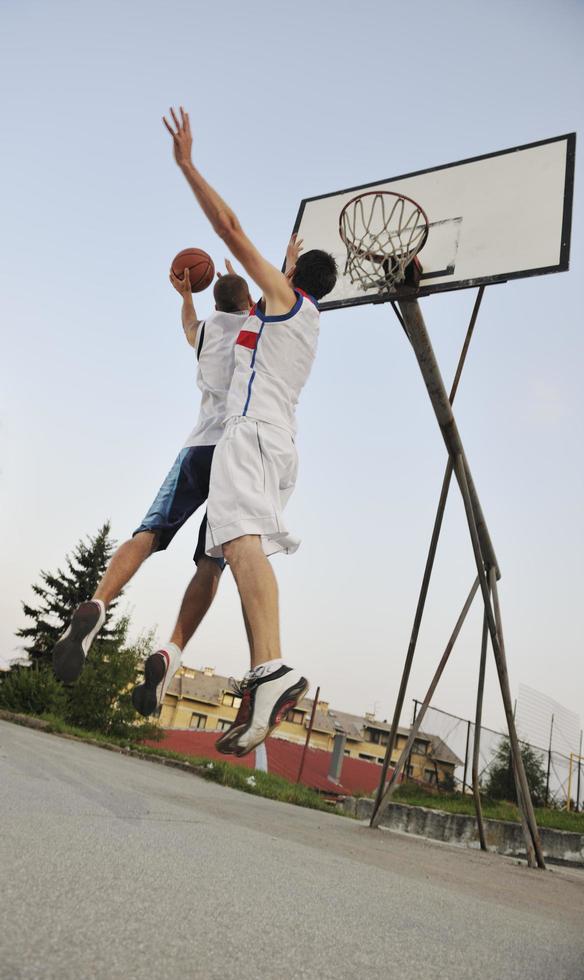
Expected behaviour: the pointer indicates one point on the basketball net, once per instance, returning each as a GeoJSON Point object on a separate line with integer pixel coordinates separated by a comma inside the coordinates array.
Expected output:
{"type": "Point", "coordinates": [382, 232]}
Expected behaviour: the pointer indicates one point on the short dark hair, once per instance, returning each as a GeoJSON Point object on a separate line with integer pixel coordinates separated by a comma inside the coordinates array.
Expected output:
{"type": "Point", "coordinates": [315, 273]}
{"type": "Point", "coordinates": [231, 294]}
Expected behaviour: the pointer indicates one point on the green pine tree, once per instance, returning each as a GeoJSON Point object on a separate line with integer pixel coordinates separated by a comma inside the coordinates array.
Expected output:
{"type": "Point", "coordinates": [59, 594]}
{"type": "Point", "coordinates": [500, 783]}
{"type": "Point", "coordinates": [100, 700]}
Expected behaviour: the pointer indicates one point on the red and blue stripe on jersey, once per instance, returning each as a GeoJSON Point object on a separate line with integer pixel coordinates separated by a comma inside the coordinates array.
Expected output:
{"type": "Point", "coordinates": [250, 338]}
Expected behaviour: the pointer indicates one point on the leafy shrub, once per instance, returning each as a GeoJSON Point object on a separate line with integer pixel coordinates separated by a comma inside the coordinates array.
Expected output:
{"type": "Point", "coordinates": [33, 690]}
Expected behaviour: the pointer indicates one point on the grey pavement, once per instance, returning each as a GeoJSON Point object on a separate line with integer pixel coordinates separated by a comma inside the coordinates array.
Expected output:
{"type": "Point", "coordinates": [114, 867]}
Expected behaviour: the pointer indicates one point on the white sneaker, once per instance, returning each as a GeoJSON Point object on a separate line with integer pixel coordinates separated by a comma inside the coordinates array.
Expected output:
{"type": "Point", "coordinates": [70, 651]}
{"type": "Point", "coordinates": [264, 703]}
{"type": "Point", "coordinates": [159, 669]}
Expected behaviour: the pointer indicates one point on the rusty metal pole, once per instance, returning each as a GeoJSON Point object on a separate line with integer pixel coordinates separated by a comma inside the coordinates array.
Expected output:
{"type": "Point", "coordinates": [476, 789]}
{"type": "Point", "coordinates": [391, 785]}
{"type": "Point", "coordinates": [466, 747]}
{"type": "Point", "coordinates": [485, 557]}
{"type": "Point", "coordinates": [531, 834]}
{"type": "Point", "coordinates": [578, 783]}
{"type": "Point", "coordinates": [308, 734]}
{"type": "Point", "coordinates": [429, 562]}
{"type": "Point", "coordinates": [523, 793]}
{"type": "Point", "coordinates": [549, 765]}
{"type": "Point", "coordinates": [420, 341]}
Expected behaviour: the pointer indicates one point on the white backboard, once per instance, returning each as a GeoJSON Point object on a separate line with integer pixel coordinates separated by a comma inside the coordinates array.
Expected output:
{"type": "Point", "coordinates": [491, 218]}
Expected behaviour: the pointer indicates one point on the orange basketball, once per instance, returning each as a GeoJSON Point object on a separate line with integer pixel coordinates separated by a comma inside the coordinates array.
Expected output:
{"type": "Point", "coordinates": [199, 264]}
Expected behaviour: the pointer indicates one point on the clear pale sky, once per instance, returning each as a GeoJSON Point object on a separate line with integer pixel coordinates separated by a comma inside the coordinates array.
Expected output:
{"type": "Point", "coordinates": [98, 384]}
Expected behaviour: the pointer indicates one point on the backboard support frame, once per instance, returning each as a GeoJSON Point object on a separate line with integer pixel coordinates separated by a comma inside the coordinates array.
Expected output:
{"type": "Point", "coordinates": [410, 317]}
{"type": "Point", "coordinates": [516, 223]}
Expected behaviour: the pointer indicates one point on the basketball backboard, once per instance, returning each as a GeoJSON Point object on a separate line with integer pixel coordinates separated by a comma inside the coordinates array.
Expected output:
{"type": "Point", "coordinates": [491, 218]}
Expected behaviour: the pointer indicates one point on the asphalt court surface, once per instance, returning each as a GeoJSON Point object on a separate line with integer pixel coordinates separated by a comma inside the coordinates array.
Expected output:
{"type": "Point", "coordinates": [115, 867]}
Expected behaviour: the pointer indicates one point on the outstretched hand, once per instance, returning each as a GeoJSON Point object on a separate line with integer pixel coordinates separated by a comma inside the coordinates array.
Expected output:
{"type": "Point", "coordinates": [230, 270]}
{"type": "Point", "coordinates": [181, 136]}
{"type": "Point", "coordinates": [295, 246]}
{"type": "Point", "coordinates": [182, 286]}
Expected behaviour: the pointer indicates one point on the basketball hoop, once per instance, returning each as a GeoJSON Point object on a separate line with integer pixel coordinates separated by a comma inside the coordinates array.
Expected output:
{"type": "Point", "coordinates": [382, 232]}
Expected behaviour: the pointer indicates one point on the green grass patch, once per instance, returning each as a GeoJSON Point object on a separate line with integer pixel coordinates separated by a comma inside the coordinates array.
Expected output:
{"type": "Point", "coordinates": [252, 781]}
{"type": "Point", "coordinates": [414, 795]}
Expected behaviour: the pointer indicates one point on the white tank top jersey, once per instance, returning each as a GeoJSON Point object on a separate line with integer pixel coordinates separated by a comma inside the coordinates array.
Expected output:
{"type": "Point", "coordinates": [273, 358]}
{"type": "Point", "coordinates": [216, 354]}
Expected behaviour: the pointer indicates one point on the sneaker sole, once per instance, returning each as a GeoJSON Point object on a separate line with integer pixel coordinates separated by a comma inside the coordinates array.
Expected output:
{"type": "Point", "coordinates": [285, 703]}
{"type": "Point", "coordinates": [68, 655]}
{"type": "Point", "coordinates": [144, 695]}
{"type": "Point", "coordinates": [224, 746]}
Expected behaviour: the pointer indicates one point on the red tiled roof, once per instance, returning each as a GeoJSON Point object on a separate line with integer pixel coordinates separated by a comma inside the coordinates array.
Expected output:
{"type": "Point", "coordinates": [357, 775]}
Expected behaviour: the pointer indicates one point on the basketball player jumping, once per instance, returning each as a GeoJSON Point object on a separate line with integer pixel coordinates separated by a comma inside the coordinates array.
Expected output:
{"type": "Point", "coordinates": [183, 491]}
{"type": "Point", "coordinates": [255, 463]}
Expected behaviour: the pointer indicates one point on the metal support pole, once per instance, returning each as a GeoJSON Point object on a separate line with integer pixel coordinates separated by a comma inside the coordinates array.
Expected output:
{"type": "Point", "coordinates": [485, 558]}
{"type": "Point", "coordinates": [389, 789]}
{"type": "Point", "coordinates": [484, 553]}
{"type": "Point", "coordinates": [466, 756]}
{"type": "Point", "coordinates": [530, 831]}
{"type": "Point", "coordinates": [408, 762]}
{"type": "Point", "coordinates": [549, 765]}
{"type": "Point", "coordinates": [308, 734]}
{"type": "Point", "coordinates": [476, 789]}
{"type": "Point", "coordinates": [429, 562]}
{"type": "Point", "coordinates": [578, 782]}
{"type": "Point", "coordinates": [420, 341]}
{"type": "Point", "coordinates": [523, 793]}
{"type": "Point", "coordinates": [569, 800]}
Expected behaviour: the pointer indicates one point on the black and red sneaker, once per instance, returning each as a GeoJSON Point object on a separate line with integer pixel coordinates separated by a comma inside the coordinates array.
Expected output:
{"type": "Point", "coordinates": [265, 699]}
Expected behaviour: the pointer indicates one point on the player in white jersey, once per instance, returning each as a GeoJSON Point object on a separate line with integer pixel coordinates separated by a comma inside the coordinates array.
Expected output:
{"type": "Point", "coordinates": [184, 490]}
{"type": "Point", "coordinates": [254, 468]}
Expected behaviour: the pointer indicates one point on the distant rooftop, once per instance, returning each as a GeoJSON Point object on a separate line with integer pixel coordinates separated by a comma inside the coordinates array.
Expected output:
{"type": "Point", "coordinates": [207, 687]}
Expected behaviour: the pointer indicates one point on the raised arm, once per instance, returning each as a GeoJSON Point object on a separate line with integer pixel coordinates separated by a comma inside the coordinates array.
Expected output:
{"type": "Point", "coordinates": [274, 285]}
{"type": "Point", "coordinates": [190, 320]}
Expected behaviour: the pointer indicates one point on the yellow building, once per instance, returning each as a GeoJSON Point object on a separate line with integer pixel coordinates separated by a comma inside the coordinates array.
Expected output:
{"type": "Point", "coordinates": [202, 699]}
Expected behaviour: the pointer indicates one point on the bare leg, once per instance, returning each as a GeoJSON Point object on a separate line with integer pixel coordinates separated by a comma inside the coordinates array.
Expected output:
{"type": "Point", "coordinates": [248, 633]}
{"type": "Point", "coordinates": [124, 564]}
{"type": "Point", "coordinates": [258, 591]}
{"type": "Point", "coordinates": [199, 595]}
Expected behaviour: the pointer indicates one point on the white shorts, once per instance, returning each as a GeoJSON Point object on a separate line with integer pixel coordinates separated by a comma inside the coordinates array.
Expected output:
{"type": "Point", "coordinates": [252, 476]}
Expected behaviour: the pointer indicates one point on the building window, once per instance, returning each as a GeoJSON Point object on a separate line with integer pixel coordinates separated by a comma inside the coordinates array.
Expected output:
{"type": "Point", "coordinates": [367, 758]}
{"type": "Point", "coordinates": [419, 747]}
{"type": "Point", "coordinates": [296, 717]}
{"type": "Point", "coordinates": [376, 736]}
{"type": "Point", "coordinates": [223, 724]}
{"type": "Point", "coordinates": [198, 721]}
{"type": "Point", "coordinates": [430, 775]}
{"type": "Point", "coordinates": [231, 700]}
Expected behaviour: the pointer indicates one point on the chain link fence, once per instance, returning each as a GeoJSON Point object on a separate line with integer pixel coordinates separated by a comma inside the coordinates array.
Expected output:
{"type": "Point", "coordinates": [459, 733]}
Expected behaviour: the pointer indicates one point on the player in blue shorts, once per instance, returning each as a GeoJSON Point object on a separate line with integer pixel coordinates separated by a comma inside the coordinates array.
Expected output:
{"type": "Point", "coordinates": [184, 490]}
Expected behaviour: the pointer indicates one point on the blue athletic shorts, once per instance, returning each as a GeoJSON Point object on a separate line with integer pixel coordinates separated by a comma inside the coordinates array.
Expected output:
{"type": "Point", "coordinates": [184, 490]}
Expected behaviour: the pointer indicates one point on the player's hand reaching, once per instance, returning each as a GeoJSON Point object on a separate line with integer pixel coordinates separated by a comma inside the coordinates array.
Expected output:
{"type": "Point", "coordinates": [294, 249]}
{"type": "Point", "coordinates": [182, 286]}
{"type": "Point", "coordinates": [181, 137]}
{"type": "Point", "coordinates": [230, 270]}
